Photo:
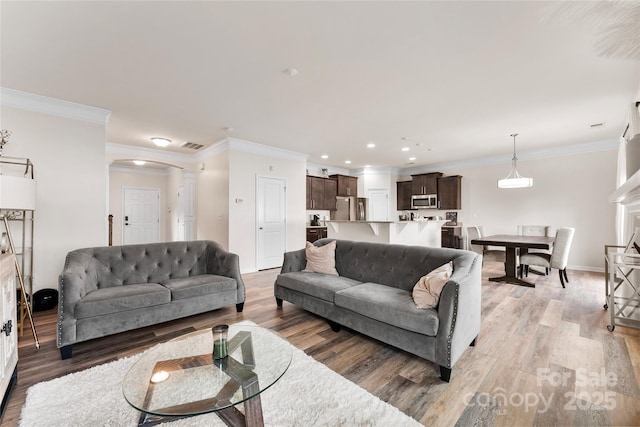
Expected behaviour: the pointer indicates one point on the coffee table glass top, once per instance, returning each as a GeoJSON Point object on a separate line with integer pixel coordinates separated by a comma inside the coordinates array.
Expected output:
{"type": "Point", "coordinates": [181, 378]}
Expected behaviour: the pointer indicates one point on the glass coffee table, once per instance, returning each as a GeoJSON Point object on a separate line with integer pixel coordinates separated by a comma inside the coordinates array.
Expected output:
{"type": "Point", "coordinates": [180, 378]}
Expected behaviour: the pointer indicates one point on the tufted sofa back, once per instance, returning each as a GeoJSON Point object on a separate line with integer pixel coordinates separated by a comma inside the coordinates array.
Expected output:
{"type": "Point", "coordinates": [398, 266]}
{"type": "Point", "coordinates": [110, 266]}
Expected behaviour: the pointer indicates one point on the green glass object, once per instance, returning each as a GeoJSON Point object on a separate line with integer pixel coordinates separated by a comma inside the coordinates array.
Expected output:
{"type": "Point", "coordinates": [220, 341]}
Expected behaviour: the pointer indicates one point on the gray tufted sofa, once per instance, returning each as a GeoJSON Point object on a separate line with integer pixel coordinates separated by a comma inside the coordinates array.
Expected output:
{"type": "Point", "coordinates": [373, 295]}
{"type": "Point", "coordinates": [106, 290]}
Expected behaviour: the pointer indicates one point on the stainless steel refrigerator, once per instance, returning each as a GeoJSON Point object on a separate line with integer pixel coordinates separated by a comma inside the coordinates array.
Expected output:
{"type": "Point", "coordinates": [350, 209]}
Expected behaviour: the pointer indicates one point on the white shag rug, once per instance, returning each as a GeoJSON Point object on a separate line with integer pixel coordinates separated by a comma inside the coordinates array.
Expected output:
{"type": "Point", "coordinates": [309, 394]}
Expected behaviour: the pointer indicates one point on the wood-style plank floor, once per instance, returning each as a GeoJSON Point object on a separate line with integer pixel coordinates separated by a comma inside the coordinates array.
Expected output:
{"type": "Point", "coordinates": [544, 356]}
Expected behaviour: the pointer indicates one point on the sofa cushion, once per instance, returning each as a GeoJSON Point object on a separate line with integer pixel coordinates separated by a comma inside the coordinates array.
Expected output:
{"type": "Point", "coordinates": [389, 305]}
{"type": "Point", "coordinates": [321, 259]}
{"type": "Point", "coordinates": [319, 285]}
{"type": "Point", "coordinates": [197, 286]}
{"type": "Point", "coordinates": [121, 298]}
{"type": "Point", "coordinates": [426, 292]}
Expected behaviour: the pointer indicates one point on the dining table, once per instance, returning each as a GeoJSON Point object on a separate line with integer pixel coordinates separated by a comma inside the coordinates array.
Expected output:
{"type": "Point", "coordinates": [513, 243]}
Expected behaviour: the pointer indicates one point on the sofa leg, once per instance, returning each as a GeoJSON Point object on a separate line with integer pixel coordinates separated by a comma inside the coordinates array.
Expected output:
{"type": "Point", "coordinates": [445, 373]}
{"type": "Point", "coordinates": [65, 352]}
{"type": "Point", "coordinates": [239, 307]}
{"type": "Point", "coordinates": [279, 302]}
{"type": "Point", "coordinates": [334, 326]}
{"type": "Point", "coordinates": [473, 343]}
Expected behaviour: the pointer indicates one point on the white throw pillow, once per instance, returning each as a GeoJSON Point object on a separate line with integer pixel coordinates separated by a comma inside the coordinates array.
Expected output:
{"type": "Point", "coordinates": [321, 259]}
{"type": "Point", "coordinates": [426, 292]}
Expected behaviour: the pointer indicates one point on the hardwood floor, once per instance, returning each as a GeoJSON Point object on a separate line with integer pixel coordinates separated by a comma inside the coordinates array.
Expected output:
{"type": "Point", "coordinates": [544, 356]}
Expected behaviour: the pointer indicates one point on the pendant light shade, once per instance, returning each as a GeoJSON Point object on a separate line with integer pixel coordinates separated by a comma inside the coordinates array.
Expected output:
{"type": "Point", "coordinates": [514, 179]}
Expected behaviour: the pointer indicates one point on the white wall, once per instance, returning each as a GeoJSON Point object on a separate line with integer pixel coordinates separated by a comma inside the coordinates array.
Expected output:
{"type": "Point", "coordinates": [118, 180]}
{"type": "Point", "coordinates": [244, 167]}
{"type": "Point", "coordinates": [69, 164]}
{"type": "Point", "coordinates": [174, 180]}
{"type": "Point", "coordinates": [212, 199]}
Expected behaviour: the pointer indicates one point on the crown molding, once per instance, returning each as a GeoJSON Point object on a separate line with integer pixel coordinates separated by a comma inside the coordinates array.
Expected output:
{"type": "Point", "coordinates": [265, 150]}
{"type": "Point", "coordinates": [144, 153]}
{"type": "Point", "coordinates": [589, 147]}
{"type": "Point", "coordinates": [141, 170]}
{"type": "Point", "coordinates": [53, 107]}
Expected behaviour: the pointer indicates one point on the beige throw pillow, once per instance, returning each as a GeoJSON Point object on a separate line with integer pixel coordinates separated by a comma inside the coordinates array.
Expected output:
{"type": "Point", "coordinates": [321, 259]}
{"type": "Point", "coordinates": [427, 291]}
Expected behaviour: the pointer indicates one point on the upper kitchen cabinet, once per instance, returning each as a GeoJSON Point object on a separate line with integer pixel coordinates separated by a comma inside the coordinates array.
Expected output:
{"type": "Point", "coordinates": [347, 185]}
{"type": "Point", "coordinates": [321, 193]}
{"type": "Point", "coordinates": [425, 183]}
{"type": "Point", "coordinates": [450, 192]}
{"type": "Point", "coordinates": [404, 194]}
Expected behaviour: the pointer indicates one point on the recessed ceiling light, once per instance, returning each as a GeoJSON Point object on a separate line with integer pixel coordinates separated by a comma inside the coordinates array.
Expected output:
{"type": "Point", "coordinates": [412, 158]}
{"type": "Point", "coordinates": [348, 162]}
{"type": "Point", "coordinates": [291, 72]}
{"type": "Point", "coordinates": [139, 162]}
{"type": "Point", "coordinates": [324, 156]}
{"type": "Point", "coordinates": [371, 145]}
{"type": "Point", "coordinates": [161, 142]}
{"type": "Point", "coordinates": [405, 148]}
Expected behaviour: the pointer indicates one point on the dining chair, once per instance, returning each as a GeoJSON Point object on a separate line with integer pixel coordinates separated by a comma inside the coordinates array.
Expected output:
{"type": "Point", "coordinates": [491, 255]}
{"type": "Point", "coordinates": [535, 230]}
{"type": "Point", "coordinates": [558, 257]}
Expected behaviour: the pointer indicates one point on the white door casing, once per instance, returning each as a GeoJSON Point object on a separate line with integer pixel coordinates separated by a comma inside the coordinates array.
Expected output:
{"type": "Point", "coordinates": [141, 215]}
{"type": "Point", "coordinates": [271, 222]}
{"type": "Point", "coordinates": [378, 204]}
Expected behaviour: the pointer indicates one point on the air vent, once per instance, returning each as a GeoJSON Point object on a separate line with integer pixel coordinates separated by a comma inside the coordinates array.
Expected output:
{"type": "Point", "coordinates": [192, 145]}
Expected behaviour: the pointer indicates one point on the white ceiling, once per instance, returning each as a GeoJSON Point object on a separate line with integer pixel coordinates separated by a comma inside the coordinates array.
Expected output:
{"type": "Point", "coordinates": [449, 80]}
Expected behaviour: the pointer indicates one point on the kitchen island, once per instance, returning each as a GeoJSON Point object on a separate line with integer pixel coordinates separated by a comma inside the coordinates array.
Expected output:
{"type": "Point", "coordinates": [418, 233]}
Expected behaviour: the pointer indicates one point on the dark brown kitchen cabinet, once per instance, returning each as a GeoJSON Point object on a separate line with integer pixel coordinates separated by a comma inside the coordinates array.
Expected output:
{"type": "Point", "coordinates": [321, 193]}
{"type": "Point", "coordinates": [426, 183]}
{"type": "Point", "coordinates": [347, 185]}
{"type": "Point", "coordinates": [450, 192]}
{"type": "Point", "coordinates": [403, 194]}
{"type": "Point", "coordinates": [315, 233]}
{"type": "Point", "coordinates": [452, 237]}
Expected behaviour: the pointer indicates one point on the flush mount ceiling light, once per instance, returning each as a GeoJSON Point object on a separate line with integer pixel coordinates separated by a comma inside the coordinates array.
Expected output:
{"type": "Point", "coordinates": [405, 148]}
{"type": "Point", "coordinates": [139, 162]}
{"type": "Point", "coordinates": [412, 159]}
{"type": "Point", "coordinates": [161, 142]}
{"type": "Point", "coordinates": [371, 145]}
{"type": "Point", "coordinates": [324, 156]}
{"type": "Point", "coordinates": [348, 162]}
{"type": "Point", "coordinates": [514, 179]}
{"type": "Point", "coordinates": [291, 72]}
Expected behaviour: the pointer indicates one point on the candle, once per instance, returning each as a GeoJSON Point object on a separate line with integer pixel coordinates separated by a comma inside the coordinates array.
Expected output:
{"type": "Point", "coordinates": [220, 341]}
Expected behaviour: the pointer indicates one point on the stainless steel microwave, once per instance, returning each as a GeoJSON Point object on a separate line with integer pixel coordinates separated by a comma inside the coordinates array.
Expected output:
{"type": "Point", "coordinates": [424, 201]}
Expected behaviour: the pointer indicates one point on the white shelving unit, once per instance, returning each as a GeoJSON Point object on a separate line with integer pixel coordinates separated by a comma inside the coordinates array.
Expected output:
{"type": "Point", "coordinates": [623, 283]}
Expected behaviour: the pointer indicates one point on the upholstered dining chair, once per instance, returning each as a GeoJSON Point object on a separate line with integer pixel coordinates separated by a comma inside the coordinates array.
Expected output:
{"type": "Point", "coordinates": [535, 230]}
{"type": "Point", "coordinates": [491, 255]}
{"type": "Point", "coordinates": [557, 259]}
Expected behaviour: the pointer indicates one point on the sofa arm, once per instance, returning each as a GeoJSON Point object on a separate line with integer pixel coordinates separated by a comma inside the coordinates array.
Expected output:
{"type": "Point", "coordinates": [72, 285]}
{"type": "Point", "coordinates": [294, 261]}
{"type": "Point", "coordinates": [459, 312]}
{"type": "Point", "coordinates": [224, 263]}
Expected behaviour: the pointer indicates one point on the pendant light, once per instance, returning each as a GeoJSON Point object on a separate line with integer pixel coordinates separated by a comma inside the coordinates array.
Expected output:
{"type": "Point", "coordinates": [514, 180]}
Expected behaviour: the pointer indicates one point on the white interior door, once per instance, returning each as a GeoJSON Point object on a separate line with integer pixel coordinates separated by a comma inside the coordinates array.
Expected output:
{"type": "Point", "coordinates": [141, 215]}
{"type": "Point", "coordinates": [378, 204]}
{"type": "Point", "coordinates": [271, 222]}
